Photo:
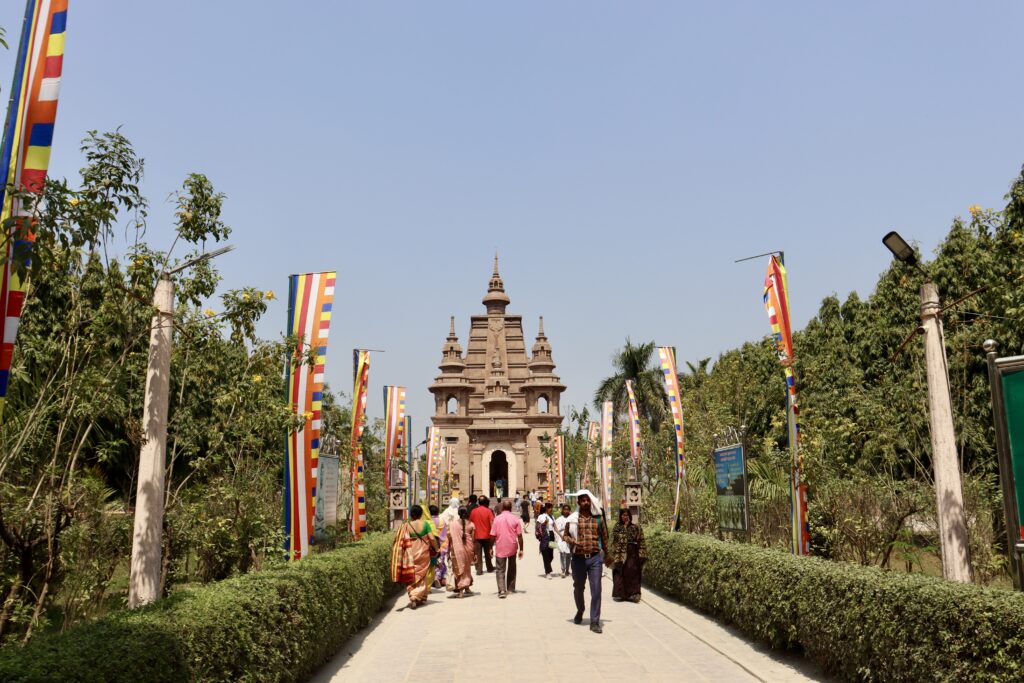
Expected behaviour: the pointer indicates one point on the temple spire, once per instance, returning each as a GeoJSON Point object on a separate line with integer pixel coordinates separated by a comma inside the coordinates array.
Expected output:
{"type": "Point", "coordinates": [496, 299]}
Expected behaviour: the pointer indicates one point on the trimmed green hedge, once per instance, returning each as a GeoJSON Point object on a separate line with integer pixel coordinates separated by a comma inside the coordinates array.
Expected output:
{"type": "Point", "coordinates": [860, 623]}
{"type": "Point", "coordinates": [274, 625]}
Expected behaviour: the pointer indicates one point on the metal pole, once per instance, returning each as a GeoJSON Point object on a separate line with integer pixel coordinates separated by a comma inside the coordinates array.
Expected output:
{"type": "Point", "coordinates": [953, 541]}
{"type": "Point", "coordinates": [1005, 466]}
{"type": "Point", "coordinates": [144, 583]}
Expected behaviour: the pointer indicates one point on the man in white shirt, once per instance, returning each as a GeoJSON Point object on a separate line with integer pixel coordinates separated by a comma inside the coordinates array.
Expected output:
{"type": "Point", "coordinates": [564, 553]}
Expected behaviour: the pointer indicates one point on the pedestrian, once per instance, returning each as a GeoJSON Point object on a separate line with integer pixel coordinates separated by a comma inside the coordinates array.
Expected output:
{"type": "Point", "coordinates": [507, 532]}
{"type": "Point", "coordinates": [462, 549]}
{"type": "Point", "coordinates": [482, 517]}
{"type": "Point", "coordinates": [412, 553]}
{"type": "Point", "coordinates": [546, 536]}
{"type": "Point", "coordinates": [472, 503]}
{"type": "Point", "coordinates": [517, 505]}
{"type": "Point", "coordinates": [440, 568]}
{"type": "Point", "coordinates": [587, 538]}
{"type": "Point", "coordinates": [450, 514]}
{"type": "Point", "coordinates": [627, 556]}
{"type": "Point", "coordinates": [564, 553]}
{"type": "Point", "coordinates": [524, 510]}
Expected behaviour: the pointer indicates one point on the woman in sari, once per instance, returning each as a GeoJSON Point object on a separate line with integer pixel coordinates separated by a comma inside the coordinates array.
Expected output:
{"type": "Point", "coordinates": [462, 551]}
{"type": "Point", "coordinates": [628, 554]}
{"type": "Point", "coordinates": [440, 568]}
{"type": "Point", "coordinates": [412, 556]}
{"type": "Point", "coordinates": [444, 522]}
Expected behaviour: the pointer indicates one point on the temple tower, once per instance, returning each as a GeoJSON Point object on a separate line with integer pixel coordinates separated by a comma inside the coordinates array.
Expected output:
{"type": "Point", "coordinates": [497, 405]}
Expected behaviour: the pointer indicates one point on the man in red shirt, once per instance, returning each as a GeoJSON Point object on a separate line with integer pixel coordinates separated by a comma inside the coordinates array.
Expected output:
{"type": "Point", "coordinates": [482, 517]}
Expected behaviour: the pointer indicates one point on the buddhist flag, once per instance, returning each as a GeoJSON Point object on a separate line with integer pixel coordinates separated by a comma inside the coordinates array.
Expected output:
{"type": "Point", "coordinates": [559, 447]}
{"type": "Point", "coordinates": [394, 426]}
{"type": "Point", "coordinates": [634, 426]}
{"type": "Point", "coordinates": [593, 434]}
{"type": "Point", "coordinates": [25, 156]}
{"type": "Point", "coordinates": [361, 365]}
{"type": "Point", "coordinates": [667, 358]}
{"type": "Point", "coordinates": [407, 445]}
{"type": "Point", "coordinates": [776, 303]}
{"type": "Point", "coordinates": [607, 418]}
{"type": "Point", "coordinates": [433, 460]}
{"type": "Point", "coordinates": [310, 298]}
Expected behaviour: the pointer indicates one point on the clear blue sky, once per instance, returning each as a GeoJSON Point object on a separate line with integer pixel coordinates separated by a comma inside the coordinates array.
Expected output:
{"type": "Point", "coordinates": [620, 156]}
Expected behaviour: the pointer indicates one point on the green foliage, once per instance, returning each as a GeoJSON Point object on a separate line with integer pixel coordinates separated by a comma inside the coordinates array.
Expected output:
{"type": "Point", "coordinates": [859, 623]}
{"type": "Point", "coordinates": [276, 625]}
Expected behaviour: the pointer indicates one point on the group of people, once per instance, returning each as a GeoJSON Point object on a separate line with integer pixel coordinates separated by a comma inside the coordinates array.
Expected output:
{"type": "Point", "coordinates": [441, 549]}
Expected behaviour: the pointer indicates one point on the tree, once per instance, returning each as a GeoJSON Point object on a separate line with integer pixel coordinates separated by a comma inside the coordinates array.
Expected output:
{"type": "Point", "coordinates": [634, 362]}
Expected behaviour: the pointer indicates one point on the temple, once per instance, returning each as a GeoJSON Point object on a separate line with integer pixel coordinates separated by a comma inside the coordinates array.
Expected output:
{"type": "Point", "coordinates": [496, 406]}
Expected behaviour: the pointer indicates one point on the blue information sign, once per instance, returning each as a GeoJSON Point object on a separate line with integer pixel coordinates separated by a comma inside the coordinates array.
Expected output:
{"type": "Point", "coordinates": [731, 487]}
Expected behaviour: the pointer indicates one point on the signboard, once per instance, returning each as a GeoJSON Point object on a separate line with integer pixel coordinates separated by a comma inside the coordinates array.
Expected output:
{"type": "Point", "coordinates": [326, 514]}
{"type": "Point", "coordinates": [731, 487]}
{"type": "Point", "coordinates": [1006, 380]}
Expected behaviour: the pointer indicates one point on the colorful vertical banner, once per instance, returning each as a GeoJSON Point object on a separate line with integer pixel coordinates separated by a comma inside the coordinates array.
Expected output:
{"type": "Point", "coordinates": [310, 297]}
{"type": "Point", "coordinates": [25, 156]}
{"type": "Point", "coordinates": [593, 434]}
{"type": "Point", "coordinates": [361, 386]}
{"type": "Point", "coordinates": [433, 461]}
{"type": "Point", "coordinates": [667, 358]}
{"type": "Point", "coordinates": [559, 446]}
{"type": "Point", "coordinates": [410, 480]}
{"type": "Point", "coordinates": [607, 424]}
{"type": "Point", "coordinates": [634, 426]}
{"type": "Point", "coordinates": [776, 303]}
{"type": "Point", "coordinates": [394, 426]}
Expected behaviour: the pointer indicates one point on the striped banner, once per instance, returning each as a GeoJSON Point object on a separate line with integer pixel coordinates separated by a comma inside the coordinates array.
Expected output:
{"type": "Point", "coordinates": [408, 446]}
{"type": "Point", "coordinates": [776, 303]}
{"type": "Point", "coordinates": [593, 434]}
{"type": "Point", "coordinates": [361, 386]}
{"type": "Point", "coordinates": [25, 155]}
{"type": "Point", "coordinates": [310, 297]}
{"type": "Point", "coordinates": [433, 461]}
{"type": "Point", "coordinates": [559, 448]}
{"type": "Point", "coordinates": [667, 357]}
{"type": "Point", "coordinates": [607, 419]}
{"type": "Point", "coordinates": [394, 427]}
{"type": "Point", "coordinates": [634, 427]}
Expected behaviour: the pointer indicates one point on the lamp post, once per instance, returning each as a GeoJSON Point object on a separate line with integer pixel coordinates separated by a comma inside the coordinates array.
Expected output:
{"type": "Point", "coordinates": [147, 539]}
{"type": "Point", "coordinates": [953, 540]}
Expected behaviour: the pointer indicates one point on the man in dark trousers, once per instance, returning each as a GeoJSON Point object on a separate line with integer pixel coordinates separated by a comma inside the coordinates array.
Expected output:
{"type": "Point", "coordinates": [482, 518]}
{"type": "Point", "coordinates": [588, 538]}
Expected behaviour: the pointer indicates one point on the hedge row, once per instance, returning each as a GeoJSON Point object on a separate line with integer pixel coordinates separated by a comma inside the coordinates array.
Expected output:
{"type": "Point", "coordinates": [274, 625]}
{"type": "Point", "coordinates": [860, 623]}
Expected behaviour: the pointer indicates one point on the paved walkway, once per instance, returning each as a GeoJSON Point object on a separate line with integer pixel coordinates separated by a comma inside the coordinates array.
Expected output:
{"type": "Point", "coordinates": [531, 634]}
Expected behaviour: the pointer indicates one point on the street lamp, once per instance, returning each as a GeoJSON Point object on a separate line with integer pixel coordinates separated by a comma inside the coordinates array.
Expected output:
{"type": "Point", "coordinates": [147, 539]}
{"type": "Point", "coordinates": [953, 541]}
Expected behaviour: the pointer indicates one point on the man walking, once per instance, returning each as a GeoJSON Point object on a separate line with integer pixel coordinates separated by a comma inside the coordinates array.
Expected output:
{"type": "Point", "coordinates": [482, 517]}
{"type": "Point", "coordinates": [507, 532]}
{"type": "Point", "coordinates": [588, 538]}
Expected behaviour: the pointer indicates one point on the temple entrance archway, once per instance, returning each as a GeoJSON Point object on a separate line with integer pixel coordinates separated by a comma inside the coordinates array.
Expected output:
{"type": "Point", "coordinates": [498, 463]}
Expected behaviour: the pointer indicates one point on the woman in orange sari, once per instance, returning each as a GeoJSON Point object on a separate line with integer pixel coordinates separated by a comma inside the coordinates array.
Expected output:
{"type": "Point", "coordinates": [412, 556]}
{"type": "Point", "coordinates": [462, 551]}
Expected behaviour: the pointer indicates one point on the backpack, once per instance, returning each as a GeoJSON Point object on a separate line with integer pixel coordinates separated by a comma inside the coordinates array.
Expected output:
{"type": "Point", "coordinates": [540, 532]}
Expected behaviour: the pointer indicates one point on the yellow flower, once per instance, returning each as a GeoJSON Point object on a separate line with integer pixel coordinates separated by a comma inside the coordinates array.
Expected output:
{"type": "Point", "coordinates": [308, 415]}
{"type": "Point", "coordinates": [257, 379]}
{"type": "Point", "coordinates": [269, 294]}
{"type": "Point", "coordinates": [974, 209]}
{"type": "Point", "coordinates": [209, 313]}
{"type": "Point", "coordinates": [74, 201]}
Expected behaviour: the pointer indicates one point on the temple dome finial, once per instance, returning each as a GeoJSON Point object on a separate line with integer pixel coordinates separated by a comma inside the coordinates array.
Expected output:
{"type": "Point", "coordinates": [496, 299]}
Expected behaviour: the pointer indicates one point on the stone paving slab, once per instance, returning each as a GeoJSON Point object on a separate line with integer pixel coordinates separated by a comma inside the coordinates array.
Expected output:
{"type": "Point", "coordinates": [531, 634]}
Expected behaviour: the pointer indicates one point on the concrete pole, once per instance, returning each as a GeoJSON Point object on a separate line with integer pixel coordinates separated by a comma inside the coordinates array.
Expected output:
{"type": "Point", "coordinates": [953, 542]}
{"type": "Point", "coordinates": [144, 585]}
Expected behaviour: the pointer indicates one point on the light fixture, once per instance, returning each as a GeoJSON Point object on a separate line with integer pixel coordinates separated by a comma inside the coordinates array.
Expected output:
{"type": "Point", "coordinates": [899, 248]}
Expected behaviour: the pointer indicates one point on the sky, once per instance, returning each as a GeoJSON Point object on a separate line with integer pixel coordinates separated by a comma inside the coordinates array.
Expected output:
{"type": "Point", "coordinates": [619, 156]}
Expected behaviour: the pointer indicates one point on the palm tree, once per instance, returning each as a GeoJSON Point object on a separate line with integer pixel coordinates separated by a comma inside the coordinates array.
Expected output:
{"type": "Point", "coordinates": [634, 362]}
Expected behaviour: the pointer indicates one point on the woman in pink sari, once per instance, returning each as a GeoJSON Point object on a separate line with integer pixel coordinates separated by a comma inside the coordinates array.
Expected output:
{"type": "Point", "coordinates": [462, 551]}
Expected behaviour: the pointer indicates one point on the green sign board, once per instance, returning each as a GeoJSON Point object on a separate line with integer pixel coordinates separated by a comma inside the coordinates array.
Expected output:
{"type": "Point", "coordinates": [1013, 404]}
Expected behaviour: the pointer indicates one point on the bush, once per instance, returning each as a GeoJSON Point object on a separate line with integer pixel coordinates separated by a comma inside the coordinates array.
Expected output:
{"type": "Point", "coordinates": [860, 623]}
{"type": "Point", "coordinates": [275, 625]}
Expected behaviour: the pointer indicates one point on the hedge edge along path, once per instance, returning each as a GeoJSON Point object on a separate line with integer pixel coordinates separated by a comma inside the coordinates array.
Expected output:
{"type": "Point", "coordinates": [274, 625]}
{"type": "Point", "coordinates": [860, 623]}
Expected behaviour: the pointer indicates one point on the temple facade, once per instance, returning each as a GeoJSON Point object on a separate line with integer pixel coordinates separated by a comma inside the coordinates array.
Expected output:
{"type": "Point", "coordinates": [496, 405]}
